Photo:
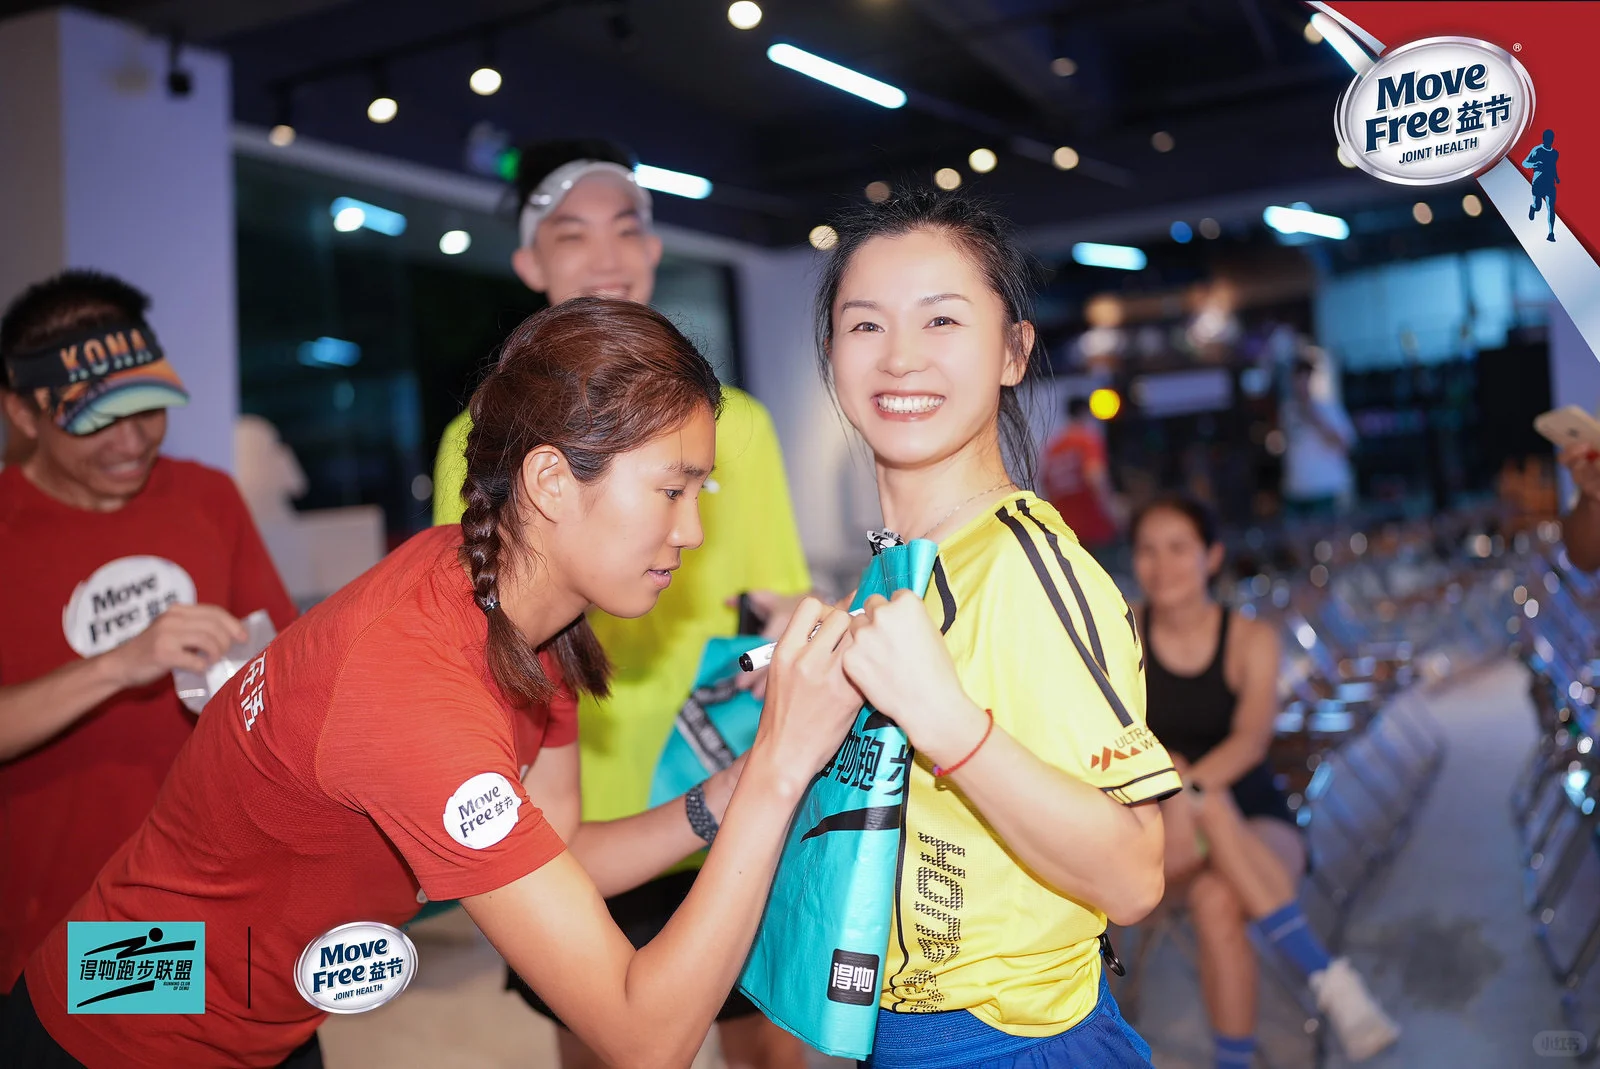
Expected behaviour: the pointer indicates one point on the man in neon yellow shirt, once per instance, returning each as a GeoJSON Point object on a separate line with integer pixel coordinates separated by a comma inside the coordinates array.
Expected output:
{"type": "Point", "coordinates": [585, 228]}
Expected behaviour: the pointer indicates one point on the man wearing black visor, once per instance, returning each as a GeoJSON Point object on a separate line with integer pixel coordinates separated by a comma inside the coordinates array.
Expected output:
{"type": "Point", "coordinates": [122, 565]}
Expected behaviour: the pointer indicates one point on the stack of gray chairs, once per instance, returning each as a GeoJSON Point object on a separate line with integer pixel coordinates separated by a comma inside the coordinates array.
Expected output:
{"type": "Point", "coordinates": [1551, 613]}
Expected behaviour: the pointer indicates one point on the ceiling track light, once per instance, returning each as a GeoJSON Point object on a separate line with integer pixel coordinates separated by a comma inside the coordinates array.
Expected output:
{"type": "Point", "coordinates": [383, 107]}
{"type": "Point", "coordinates": [617, 23]}
{"type": "Point", "coordinates": [486, 79]}
{"type": "Point", "coordinates": [282, 134]}
{"type": "Point", "coordinates": [180, 83]}
{"type": "Point", "coordinates": [744, 15]}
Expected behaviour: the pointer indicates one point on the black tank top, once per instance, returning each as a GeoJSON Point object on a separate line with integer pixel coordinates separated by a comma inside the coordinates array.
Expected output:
{"type": "Point", "coordinates": [1189, 714]}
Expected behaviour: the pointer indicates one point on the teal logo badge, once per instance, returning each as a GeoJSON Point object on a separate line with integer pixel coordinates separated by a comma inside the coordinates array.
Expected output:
{"type": "Point", "coordinates": [136, 967]}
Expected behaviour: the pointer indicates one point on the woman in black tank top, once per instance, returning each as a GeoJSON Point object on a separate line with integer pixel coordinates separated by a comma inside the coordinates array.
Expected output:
{"type": "Point", "coordinates": [1234, 853]}
{"type": "Point", "coordinates": [1193, 715]}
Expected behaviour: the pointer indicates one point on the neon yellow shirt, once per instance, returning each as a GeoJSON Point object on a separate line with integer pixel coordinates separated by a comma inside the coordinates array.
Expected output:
{"type": "Point", "coordinates": [751, 543]}
{"type": "Point", "coordinates": [1040, 635]}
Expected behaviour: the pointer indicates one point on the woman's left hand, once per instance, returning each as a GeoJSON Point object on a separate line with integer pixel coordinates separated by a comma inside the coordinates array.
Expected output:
{"type": "Point", "coordinates": [898, 660]}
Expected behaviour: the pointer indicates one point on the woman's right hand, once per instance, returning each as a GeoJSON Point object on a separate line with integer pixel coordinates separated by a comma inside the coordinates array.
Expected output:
{"type": "Point", "coordinates": [809, 702]}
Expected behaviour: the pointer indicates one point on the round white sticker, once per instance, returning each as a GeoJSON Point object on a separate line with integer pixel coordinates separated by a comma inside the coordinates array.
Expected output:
{"type": "Point", "coordinates": [355, 967]}
{"type": "Point", "coordinates": [482, 811]}
{"type": "Point", "coordinates": [1434, 111]}
{"type": "Point", "coordinates": [120, 599]}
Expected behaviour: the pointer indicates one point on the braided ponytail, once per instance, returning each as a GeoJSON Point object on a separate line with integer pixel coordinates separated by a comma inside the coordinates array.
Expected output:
{"type": "Point", "coordinates": [593, 378]}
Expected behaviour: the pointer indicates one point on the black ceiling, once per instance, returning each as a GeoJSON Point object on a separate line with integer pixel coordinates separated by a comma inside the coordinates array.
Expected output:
{"type": "Point", "coordinates": [1247, 100]}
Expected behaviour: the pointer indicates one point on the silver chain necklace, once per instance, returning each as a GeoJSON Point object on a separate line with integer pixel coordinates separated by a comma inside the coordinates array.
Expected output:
{"type": "Point", "coordinates": [886, 537]}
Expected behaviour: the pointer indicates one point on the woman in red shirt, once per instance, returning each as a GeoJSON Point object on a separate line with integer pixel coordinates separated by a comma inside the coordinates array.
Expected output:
{"type": "Point", "coordinates": [414, 737]}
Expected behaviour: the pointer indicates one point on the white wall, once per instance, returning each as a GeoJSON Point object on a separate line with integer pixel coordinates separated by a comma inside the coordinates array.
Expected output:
{"type": "Point", "coordinates": [30, 138]}
{"type": "Point", "coordinates": [104, 169]}
{"type": "Point", "coordinates": [1574, 370]}
{"type": "Point", "coordinates": [830, 476]}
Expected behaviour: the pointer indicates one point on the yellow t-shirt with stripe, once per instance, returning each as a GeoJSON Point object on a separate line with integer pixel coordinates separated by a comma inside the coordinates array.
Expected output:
{"type": "Point", "coordinates": [1041, 635]}
{"type": "Point", "coordinates": [751, 543]}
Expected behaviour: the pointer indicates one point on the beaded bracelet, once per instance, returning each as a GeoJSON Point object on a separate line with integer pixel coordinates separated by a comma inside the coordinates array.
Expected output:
{"type": "Point", "coordinates": [941, 772]}
{"type": "Point", "coordinates": [700, 819]}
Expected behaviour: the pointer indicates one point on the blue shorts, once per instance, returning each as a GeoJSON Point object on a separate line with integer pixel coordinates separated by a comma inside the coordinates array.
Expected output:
{"type": "Point", "coordinates": [959, 1040]}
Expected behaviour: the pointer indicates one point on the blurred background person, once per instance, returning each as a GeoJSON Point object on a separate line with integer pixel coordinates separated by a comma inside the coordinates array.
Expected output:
{"type": "Point", "coordinates": [1075, 477]}
{"type": "Point", "coordinates": [585, 227]}
{"type": "Point", "coordinates": [1234, 854]}
{"type": "Point", "coordinates": [1318, 439]}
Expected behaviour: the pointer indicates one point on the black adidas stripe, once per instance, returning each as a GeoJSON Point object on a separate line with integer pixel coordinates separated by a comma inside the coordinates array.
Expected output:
{"type": "Point", "coordinates": [1139, 779]}
{"type": "Point", "coordinates": [1072, 580]}
{"type": "Point", "coordinates": [941, 583]}
{"type": "Point", "coordinates": [1043, 574]}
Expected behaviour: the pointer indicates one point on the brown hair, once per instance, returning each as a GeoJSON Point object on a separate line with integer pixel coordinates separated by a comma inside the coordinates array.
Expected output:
{"type": "Point", "coordinates": [985, 236]}
{"type": "Point", "coordinates": [1192, 509]}
{"type": "Point", "coordinates": [63, 304]}
{"type": "Point", "coordinates": [593, 378]}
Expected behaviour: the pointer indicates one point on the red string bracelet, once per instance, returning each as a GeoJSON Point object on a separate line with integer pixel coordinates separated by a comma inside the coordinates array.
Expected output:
{"type": "Point", "coordinates": [940, 772]}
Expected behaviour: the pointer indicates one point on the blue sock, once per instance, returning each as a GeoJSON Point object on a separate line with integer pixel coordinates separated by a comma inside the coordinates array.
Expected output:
{"type": "Point", "coordinates": [1235, 1052]}
{"type": "Point", "coordinates": [1288, 931]}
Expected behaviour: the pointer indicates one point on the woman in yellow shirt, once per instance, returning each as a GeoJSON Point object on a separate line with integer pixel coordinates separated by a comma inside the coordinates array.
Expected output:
{"type": "Point", "coordinates": [1019, 679]}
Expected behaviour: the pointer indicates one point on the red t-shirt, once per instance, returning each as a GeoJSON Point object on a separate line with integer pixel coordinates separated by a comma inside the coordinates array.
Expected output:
{"type": "Point", "coordinates": [77, 584]}
{"type": "Point", "coordinates": [1070, 460]}
{"type": "Point", "coordinates": [321, 786]}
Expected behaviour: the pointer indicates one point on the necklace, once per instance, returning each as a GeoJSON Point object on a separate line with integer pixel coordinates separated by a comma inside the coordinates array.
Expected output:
{"type": "Point", "coordinates": [881, 540]}
{"type": "Point", "coordinates": [962, 504]}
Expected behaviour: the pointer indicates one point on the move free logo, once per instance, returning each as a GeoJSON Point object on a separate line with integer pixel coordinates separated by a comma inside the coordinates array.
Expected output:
{"type": "Point", "coordinates": [355, 967]}
{"type": "Point", "coordinates": [1434, 111]}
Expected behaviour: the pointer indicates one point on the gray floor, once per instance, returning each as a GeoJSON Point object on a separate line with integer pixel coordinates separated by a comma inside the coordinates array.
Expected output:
{"type": "Point", "coordinates": [1442, 938]}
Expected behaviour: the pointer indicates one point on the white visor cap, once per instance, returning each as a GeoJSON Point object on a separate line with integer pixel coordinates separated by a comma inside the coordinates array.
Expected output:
{"type": "Point", "coordinates": [559, 182]}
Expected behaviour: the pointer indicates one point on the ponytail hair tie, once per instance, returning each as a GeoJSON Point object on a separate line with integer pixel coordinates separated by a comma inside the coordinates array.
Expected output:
{"type": "Point", "coordinates": [488, 603]}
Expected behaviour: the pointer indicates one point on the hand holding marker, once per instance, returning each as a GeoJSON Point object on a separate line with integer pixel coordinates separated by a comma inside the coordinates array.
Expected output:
{"type": "Point", "coordinates": [761, 656]}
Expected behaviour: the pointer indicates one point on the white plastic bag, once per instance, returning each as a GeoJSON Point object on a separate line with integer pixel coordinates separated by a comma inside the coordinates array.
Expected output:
{"type": "Point", "coordinates": [196, 690]}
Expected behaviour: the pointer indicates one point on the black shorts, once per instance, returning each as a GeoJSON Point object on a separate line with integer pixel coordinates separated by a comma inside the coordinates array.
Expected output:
{"type": "Point", "coordinates": [1257, 795]}
{"type": "Point", "coordinates": [641, 914]}
{"type": "Point", "coordinates": [26, 1042]}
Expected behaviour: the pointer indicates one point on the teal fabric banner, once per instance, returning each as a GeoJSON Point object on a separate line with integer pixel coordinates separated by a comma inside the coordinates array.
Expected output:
{"type": "Point", "coordinates": [816, 966]}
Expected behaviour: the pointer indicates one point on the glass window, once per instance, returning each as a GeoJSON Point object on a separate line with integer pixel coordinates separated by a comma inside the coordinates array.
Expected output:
{"type": "Point", "coordinates": [361, 344]}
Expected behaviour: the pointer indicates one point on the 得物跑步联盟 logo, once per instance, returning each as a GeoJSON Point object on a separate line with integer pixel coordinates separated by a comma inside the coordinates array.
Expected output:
{"type": "Point", "coordinates": [1434, 111]}
{"type": "Point", "coordinates": [136, 967]}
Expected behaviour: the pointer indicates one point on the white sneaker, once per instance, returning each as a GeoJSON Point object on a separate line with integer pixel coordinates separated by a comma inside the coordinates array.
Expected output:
{"type": "Point", "coordinates": [1362, 1026]}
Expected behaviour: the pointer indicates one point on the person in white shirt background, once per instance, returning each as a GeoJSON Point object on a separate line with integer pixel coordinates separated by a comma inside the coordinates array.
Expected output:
{"type": "Point", "coordinates": [1318, 437]}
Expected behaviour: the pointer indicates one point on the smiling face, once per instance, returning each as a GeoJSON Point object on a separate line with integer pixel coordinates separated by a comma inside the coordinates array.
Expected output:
{"type": "Point", "coordinates": [619, 546]}
{"type": "Point", "coordinates": [592, 244]}
{"type": "Point", "coordinates": [920, 347]}
{"type": "Point", "coordinates": [1171, 560]}
{"type": "Point", "coordinates": [101, 471]}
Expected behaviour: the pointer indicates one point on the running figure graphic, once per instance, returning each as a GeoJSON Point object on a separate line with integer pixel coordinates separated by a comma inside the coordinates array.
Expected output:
{"type": "Point", "coordinates": [1542, 162]}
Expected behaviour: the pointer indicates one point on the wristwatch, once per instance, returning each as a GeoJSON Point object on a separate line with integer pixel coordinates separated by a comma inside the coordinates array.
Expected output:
{"type": "Point", "coordinates": [700, 819]}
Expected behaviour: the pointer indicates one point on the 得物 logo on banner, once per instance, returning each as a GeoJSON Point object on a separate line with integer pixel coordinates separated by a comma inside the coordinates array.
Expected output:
{"type": "Point", "coordinates": [355, 967]}
{"type": "Point", "coordinates": [1434, 111]}
{"type": "Point", "coordinates": [136, 967]}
